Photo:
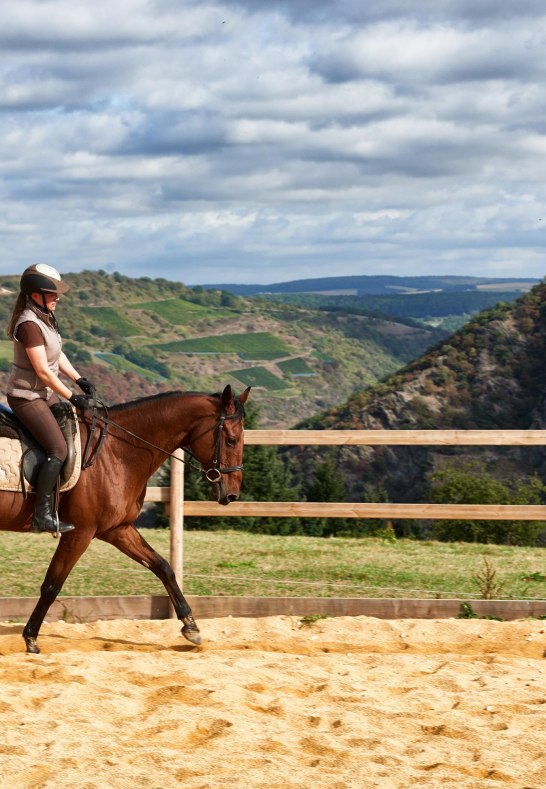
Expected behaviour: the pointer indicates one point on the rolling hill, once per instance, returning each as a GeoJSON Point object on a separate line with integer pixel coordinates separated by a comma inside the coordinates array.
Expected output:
{"type": "Point", "coordinates": [380, 285]}
{"type": "Point", "coordinates": [139, 336]}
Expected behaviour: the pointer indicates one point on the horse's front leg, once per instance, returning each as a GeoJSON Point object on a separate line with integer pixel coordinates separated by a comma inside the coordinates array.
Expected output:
{"type": "Point", "coordinates": [71, 546]}
{"type": "Point", "coordinates": [129, 541]}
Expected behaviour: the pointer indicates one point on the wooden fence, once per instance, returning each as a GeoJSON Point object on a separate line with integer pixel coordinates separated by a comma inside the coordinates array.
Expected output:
{"type": "Point", "coordinates": [173, 497]}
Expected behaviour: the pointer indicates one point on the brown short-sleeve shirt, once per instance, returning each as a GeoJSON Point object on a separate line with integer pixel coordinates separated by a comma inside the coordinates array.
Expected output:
{"type": "Point", "coordinates": [29, 335]}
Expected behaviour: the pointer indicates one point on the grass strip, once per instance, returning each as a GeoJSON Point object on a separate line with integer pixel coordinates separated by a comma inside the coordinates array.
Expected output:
{"type": "Point", "coordinates": [240, 563]}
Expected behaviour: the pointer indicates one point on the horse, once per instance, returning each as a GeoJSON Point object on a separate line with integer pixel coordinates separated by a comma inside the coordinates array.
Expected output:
{"type": "Point", "coordinates": [109, 494]}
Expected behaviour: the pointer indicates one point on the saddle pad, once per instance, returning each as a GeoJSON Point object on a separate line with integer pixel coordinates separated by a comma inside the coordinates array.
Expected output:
{"type": "Point", "coordinates": [11, 452]}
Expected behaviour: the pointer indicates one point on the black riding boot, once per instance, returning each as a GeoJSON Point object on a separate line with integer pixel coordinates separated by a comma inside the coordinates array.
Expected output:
{"type": "Point", "coordinates": [45, 518]}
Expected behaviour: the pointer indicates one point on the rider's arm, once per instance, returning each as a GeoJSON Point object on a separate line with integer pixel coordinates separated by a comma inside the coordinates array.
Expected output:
{"type": "Point", "coordinates": [38, 359]}
{"type": "Point", "coordinates": [67, 369]}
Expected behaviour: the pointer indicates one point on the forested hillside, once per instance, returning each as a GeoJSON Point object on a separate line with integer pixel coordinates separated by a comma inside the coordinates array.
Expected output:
{"type": "Point", "coordinates": [140, 336]}
{"type": "Point", "coordinates": [490, 374]}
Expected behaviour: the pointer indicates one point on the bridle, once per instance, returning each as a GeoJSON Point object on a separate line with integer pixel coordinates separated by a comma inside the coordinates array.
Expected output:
{"type": "Point", "coordinates": [212, 475]}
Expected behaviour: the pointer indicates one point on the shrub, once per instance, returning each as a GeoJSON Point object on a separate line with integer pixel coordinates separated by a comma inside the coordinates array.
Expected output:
{"type": "Point", "coordinates": [469, 483]}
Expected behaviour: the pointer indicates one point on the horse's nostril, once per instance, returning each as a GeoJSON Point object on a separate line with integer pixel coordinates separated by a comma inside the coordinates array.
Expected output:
{"type": "Point", "coordinates": [232, 497]}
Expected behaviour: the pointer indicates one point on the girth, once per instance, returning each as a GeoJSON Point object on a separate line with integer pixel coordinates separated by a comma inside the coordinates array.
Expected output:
{"type": "Point", "coordinates": [32, 454]}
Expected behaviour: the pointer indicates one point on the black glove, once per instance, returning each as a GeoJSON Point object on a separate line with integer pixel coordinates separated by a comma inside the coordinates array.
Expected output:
{"type": "Point", "coordinates": [80, 402]}
{"type": "Point", "coordinates": [86, 386]}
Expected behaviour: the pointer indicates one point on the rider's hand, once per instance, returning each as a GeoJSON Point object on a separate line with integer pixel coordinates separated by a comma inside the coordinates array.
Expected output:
{"type": "Point", "coordinates": [80, 402]}
{"type": "Point", "coordinates": [86, 386]}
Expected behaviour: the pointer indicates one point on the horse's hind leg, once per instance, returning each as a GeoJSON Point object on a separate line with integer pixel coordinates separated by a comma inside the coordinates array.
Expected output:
{"type": "Point", "coordinates": [71, 546]}
{"type": "Point", "coordinates": [129, 541]}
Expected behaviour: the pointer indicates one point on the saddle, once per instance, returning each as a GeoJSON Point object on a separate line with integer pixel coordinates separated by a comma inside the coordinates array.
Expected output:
{"type": "Point", "coordinates": [21, 456]}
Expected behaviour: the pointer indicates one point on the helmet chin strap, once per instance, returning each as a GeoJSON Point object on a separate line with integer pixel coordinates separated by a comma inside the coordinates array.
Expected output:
{"type": "Point", "coordinates": [42, 306]}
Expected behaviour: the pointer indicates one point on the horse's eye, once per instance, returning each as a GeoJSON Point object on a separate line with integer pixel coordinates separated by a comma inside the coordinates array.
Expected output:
{"type": "Point", "coordinates": [231, 442]}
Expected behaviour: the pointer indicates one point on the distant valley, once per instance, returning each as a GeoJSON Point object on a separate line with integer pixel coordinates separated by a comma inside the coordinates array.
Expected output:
{"type": "Point", "coordinates": [444, 302]}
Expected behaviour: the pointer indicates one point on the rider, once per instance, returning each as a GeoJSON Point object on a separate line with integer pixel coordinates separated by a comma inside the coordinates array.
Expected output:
{"type": "Point", "coordinates": [34, 384]}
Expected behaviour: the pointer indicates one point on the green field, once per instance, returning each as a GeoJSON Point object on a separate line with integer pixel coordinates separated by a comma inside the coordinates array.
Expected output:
{"type": "Point", "coordinates": [113, 319]}
{"type": "Point", "coordinates": [120, 363]}
{"type": "Point", "coordinates": [259, 376]}
{"type": "Point", "coordinates": [296, 366]}
{"type": "Point", "coordinates": [179, 311]}
{"type": "Point", "coordinates": [254, 345]}
{"type": "Point", "coordinates": [239, 563]}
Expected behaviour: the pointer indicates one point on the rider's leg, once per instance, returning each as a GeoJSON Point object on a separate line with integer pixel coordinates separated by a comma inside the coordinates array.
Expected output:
{"type": "Point", "coordinates": [40, 422]}
{"type": "Point", "coordinates": [45, 516]}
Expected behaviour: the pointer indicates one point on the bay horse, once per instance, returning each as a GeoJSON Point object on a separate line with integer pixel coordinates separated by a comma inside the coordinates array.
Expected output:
{"type": "Point", "coordinates": [108, 496]}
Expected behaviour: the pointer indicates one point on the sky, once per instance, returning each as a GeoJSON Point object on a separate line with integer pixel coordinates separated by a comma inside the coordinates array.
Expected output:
{"type": "Point", "coordinates": [259, 142]}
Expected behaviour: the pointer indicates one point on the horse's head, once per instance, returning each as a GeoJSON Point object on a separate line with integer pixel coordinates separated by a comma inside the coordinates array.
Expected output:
{"type": "Point", "coordinates": [219, 448]}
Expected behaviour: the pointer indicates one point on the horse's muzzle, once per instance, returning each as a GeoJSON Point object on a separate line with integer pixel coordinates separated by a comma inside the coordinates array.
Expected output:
{"type": "Point", "coordinates": [221, 495]}
{"type": "Point", "coordinates": [227, 498]}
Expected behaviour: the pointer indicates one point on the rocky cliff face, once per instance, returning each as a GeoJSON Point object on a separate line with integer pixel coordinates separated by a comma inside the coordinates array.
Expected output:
{"type": "Point", "coordinates": [490, 374]}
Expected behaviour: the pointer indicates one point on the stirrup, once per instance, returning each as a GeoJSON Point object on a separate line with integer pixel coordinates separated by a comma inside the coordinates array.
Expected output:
{"type": "Point", "coordinates": [61, 527]}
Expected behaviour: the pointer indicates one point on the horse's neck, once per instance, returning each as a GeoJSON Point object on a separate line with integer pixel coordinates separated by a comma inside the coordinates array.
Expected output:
{"type": "Point", "coordinates": [164, 421]}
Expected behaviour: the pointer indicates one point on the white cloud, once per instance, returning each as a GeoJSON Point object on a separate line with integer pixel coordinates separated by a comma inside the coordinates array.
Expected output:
{"type": "Point", "coordinates": [407, 51]}
{"type": "Point", "coordinates": [256, 142]}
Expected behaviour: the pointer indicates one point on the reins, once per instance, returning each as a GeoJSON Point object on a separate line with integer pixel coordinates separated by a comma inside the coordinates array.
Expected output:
{"type": "Point", "coordinates": [89, 456]}
{"type": "Point", "coordinates": [213, 474]}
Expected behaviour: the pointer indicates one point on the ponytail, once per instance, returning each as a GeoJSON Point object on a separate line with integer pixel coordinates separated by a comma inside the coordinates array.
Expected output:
{"type": "Point", "coordinates": [20, 305]}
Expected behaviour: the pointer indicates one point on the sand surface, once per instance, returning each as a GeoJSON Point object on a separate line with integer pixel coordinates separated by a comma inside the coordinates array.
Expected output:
{"type": "Point", "coordinates": [274, 702]}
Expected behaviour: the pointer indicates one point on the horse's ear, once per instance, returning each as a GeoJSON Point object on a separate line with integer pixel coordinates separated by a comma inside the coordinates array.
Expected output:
{"type": "Point", "coordinates": [227, 397]}
{"type": "Point", "coordinates": [243, 398]}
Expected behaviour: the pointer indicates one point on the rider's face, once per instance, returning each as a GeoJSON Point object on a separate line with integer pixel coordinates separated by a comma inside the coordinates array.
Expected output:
{"type": "Point", "coordinates": [51, 300]}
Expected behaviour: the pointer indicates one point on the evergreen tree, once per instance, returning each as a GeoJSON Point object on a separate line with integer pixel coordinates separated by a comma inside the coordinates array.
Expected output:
{"type": "Point", "coordinates": [326, 485]}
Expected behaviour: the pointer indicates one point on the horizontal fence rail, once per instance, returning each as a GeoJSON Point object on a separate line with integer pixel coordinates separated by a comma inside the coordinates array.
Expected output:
{"type": "Point", "coordinates": [397, 437]}
{"type": "Point", "coordinates": [310, 509]}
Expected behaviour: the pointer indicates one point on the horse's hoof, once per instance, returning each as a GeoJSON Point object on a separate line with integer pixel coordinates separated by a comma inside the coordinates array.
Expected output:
{"type": "Point", "coordinates": [191, 631]}
{"type": "Point", "coordinates": [32, 646]}
{"type": "Point", "coordinates": [192, 635]}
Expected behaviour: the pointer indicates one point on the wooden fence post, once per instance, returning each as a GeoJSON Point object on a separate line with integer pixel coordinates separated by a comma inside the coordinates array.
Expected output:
{"type": "Point", "coordinates": [176, 518]}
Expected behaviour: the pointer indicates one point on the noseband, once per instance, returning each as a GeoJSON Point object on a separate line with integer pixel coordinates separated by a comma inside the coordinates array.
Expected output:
{"type": "Point", "coordinates": [214, 473]}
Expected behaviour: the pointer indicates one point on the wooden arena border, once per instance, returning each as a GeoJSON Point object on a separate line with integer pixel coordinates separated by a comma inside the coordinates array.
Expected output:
{"type": "Point", "coordinates": [89, 609]}
{"type": "Point", "coordinates": [81, 609]}
{"type": "Point", "coordinates": [173, 497]}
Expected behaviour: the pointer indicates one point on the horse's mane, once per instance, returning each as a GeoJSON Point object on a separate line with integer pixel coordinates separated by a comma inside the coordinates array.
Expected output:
{"type": "Point", "coordinates": [158, 398]}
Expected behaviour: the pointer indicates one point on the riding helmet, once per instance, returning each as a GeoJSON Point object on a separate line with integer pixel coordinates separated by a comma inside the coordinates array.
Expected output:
{"type": "Point", "coordinates": [41, 278]}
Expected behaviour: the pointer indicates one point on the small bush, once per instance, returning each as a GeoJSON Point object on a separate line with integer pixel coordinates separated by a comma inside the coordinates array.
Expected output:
{"type": "Point", "coordinates": [469, 483]}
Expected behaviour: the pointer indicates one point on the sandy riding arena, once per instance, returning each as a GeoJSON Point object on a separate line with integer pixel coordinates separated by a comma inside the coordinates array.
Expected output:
{"type": "Point", "coordinates": [275, 702]}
